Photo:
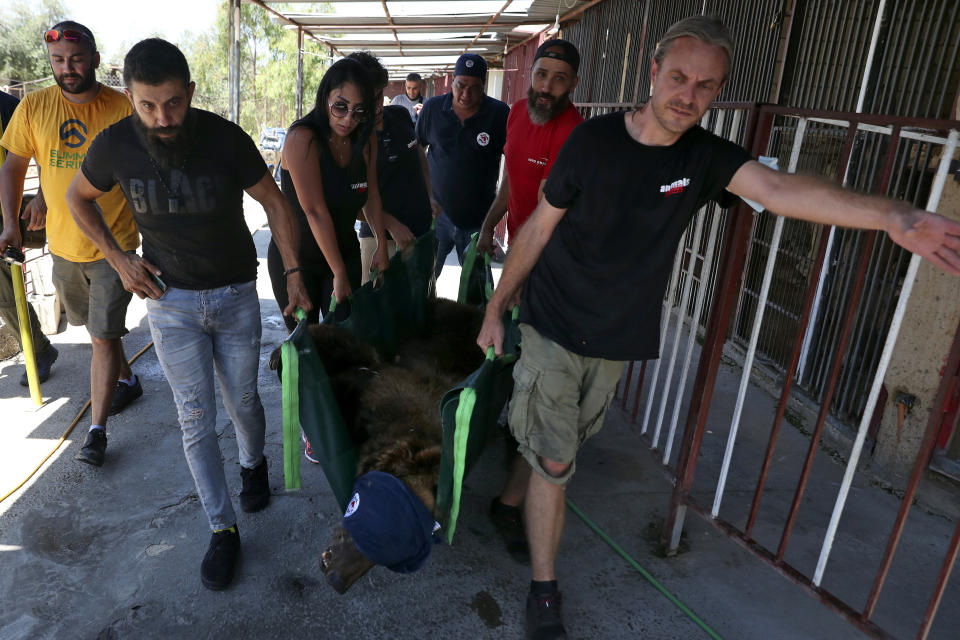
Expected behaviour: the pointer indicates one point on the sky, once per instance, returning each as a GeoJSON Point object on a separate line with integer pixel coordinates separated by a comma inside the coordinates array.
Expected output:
{"type": "Point", "coordinates": [117, 24]}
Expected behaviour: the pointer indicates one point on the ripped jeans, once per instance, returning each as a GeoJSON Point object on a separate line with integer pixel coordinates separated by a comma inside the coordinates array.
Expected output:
{"type": "Point", "coordinates": [196, 333]}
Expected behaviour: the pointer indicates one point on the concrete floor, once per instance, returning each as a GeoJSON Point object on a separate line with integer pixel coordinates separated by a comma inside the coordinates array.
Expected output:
{"type": "Point", "coordinates": [114, 552]}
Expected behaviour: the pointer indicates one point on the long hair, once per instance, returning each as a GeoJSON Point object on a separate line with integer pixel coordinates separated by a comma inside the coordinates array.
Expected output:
{"type": "Point", "coordinates": [318, 119]}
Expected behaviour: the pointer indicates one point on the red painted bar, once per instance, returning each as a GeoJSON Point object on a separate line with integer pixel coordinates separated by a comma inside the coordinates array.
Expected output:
{"type": "Point", "coordinates": [942, 579]}
{"type": "Point", "coordinates": [919, 468]}
{"type": "Point", "coordinates": [636, 398]}
{"type": "Point", "coordinates": [791, 573]}
{"type": "Point", "coordinates": [736, 239]}
{"type": "Point", "coordinates": [892, 146]}
{"type": "Point", "coordinates": [626, 386]}
{"type": "Point", "coordinates": [835, 365]}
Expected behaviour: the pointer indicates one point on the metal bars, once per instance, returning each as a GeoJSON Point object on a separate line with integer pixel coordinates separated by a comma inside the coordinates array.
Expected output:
{"type": "Point", "coordinates": [862, 133]}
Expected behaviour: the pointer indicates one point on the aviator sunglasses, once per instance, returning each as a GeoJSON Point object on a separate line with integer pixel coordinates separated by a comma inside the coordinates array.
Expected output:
{"type": "Point", "coordinates": [70, 35]}
{"type": "Point", "coordinates": [340, 110]}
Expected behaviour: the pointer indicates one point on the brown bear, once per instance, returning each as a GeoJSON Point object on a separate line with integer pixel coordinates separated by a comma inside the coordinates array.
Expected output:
{"type": "Point", "coordinates": [391, 407]}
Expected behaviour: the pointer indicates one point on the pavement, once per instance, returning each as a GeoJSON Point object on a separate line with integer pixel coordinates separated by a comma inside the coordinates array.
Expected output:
{"type": "Point", "coordinates": [114, 552]}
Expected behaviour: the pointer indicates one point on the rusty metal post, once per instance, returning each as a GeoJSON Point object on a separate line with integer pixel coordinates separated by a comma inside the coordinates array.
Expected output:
{"type": "Point", "coordinates": [919, 468]}
{"type": "Point", "coordinates": [938, 590]}
{"type": "Point", "coordinates": [802, 329]}
{"type": "Point", "coordinates": [626, 385]}
{"type": "Point", "coordinates": [736, 238]}
{"type": "Point", "coordinates": [636, 398]}
{"type": "Point", "coordinates": [847, 325]}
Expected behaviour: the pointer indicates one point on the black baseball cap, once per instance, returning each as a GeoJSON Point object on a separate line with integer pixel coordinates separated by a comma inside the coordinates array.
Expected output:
{"type": "Point", "coordinates": [559, 49]}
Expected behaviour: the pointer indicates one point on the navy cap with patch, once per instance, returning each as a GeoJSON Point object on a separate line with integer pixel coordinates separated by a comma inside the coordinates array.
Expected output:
{"type": "Point", "coordinates": [389, 524]}
{"type": "Point", "coordinates": [470, 64]}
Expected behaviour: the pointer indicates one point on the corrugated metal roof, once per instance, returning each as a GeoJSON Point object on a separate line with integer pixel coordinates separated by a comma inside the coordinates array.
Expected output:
{"type": "Point", "coordinates": [422, 35]}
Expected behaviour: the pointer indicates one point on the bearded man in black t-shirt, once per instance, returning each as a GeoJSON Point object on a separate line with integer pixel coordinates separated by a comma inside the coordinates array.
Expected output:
{"type": "Point", "coordinates": [615, 206]}
{"type": "Point", "coordinates": [183, 172]}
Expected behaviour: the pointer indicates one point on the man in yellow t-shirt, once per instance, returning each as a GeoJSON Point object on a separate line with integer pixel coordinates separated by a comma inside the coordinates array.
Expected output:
{"type": "Point", "coordinates": [56, 126]}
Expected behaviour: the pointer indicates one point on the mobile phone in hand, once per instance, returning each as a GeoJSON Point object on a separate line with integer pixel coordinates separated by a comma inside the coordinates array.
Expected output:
{"type": "Point", "coordinates": [160, 283]}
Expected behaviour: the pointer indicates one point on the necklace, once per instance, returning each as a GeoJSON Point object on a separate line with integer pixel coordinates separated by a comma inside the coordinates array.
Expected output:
{"type": "Point", "coordinates": [173, 199]}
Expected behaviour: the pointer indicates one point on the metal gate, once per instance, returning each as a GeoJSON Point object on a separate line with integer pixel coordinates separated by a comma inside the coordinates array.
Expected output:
{"type": "Point", "coordinates": [930, 145]}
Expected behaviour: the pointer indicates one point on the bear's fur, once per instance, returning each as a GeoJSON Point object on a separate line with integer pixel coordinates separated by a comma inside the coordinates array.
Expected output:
{"type": "Point", "coordinates": [392, 407]}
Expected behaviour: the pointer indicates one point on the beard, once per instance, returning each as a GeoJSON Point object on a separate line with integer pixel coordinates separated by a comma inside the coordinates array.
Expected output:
{"type": "Point", "coordinates": [544, 114]}
{"type": "Point", "coordinates": [86, 82]}
{"type": "Point", "coordinates": [168, 152]}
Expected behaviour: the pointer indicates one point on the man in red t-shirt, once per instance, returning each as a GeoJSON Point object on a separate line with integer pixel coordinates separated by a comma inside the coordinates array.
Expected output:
{"type": "Point", "coordinates": [536, 129]}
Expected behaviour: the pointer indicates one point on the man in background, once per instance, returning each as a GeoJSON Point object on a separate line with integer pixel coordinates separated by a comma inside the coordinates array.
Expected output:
{"type": "Point", "coordinates": [464, 132]}
{"type": "Point", "coordinates": [55, 126]}
{"type": "Point", "coordinates": [412, 97]}
{"type": "Point", "coordinates": [536, 130]}
{"type": "Point", "coordinates": [46, 354]}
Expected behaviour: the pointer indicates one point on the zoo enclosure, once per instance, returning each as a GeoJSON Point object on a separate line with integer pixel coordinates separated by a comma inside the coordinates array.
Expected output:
{"type": "Point", "coordinates": [740, 251]}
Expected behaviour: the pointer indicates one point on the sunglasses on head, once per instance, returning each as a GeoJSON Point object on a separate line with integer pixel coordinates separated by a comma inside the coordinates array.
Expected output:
{"type": "Point", "coordinates": [341, 110]}
{"type": "Point", "coordinates": [70, 35]}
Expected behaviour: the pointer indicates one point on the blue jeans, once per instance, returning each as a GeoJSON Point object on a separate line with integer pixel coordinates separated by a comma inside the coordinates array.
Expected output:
{"type": "Point", "coordinates": [449, 236]}
{"type": "Point", "coordinates": [196, 333]}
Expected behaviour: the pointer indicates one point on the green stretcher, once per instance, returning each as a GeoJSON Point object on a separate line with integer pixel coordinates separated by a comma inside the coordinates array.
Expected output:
{"type": "Point", "coordinates": [382, 315]}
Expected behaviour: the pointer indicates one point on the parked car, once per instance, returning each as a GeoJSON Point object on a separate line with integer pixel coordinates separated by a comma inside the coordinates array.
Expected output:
{"type": "Point", "coordinates": [271, 144]}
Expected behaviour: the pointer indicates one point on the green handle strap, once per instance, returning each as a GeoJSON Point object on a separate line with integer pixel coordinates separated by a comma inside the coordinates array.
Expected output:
{"type": "Point", "coordinates": [488, 285]}
{"type": "Point", "coordinates": [461, 434]}
{"type": "Point", "coordinates": [290, 382]}
{"type": "Point", "coordinates": [468, 260]}
{"type": "Point", "coordinates": [468, 399]}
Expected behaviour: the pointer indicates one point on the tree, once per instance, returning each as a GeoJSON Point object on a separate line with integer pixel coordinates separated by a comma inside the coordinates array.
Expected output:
{"type": "Point", "coordinates": [22, 58]}
{"type": "Point", "coordinates": [268, 69]}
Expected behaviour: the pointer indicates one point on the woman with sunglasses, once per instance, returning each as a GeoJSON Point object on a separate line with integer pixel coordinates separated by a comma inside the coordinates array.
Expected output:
{"type": "Point", "coordinates": [402, 172]}
{"type": "Point", "coordinates": [328, 175]}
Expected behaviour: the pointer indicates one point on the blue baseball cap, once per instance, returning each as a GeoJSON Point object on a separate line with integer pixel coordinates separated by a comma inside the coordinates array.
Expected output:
{"type": "Point", "coordinates": [470, 64]}
{"type": "Point", "coordinates": [389, 524]}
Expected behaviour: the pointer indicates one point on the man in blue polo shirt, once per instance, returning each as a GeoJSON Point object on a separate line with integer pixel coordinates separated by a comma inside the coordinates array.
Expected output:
{"type": "Point", "coordinates": [464, 132]}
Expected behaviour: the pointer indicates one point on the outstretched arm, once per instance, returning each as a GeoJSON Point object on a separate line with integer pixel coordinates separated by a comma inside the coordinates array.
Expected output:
{"type": "Point", "coordinates": [930, 235]}
{"type": "Point", "coordinates": [524, 253]}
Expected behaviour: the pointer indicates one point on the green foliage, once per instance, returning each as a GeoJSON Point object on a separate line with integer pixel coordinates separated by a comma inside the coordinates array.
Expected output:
{"type": "Point", "coordinates": [22, 23]}
{"type": "Point", "coordinates": [268, 69]}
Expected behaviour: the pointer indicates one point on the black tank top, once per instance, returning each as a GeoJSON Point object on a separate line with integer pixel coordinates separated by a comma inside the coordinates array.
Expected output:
{"type": "Point", "coordinates": [344, 190]}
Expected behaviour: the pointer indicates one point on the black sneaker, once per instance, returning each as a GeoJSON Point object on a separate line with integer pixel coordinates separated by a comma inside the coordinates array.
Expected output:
{"type": "Point", "coordinates": [45, 360]}
{"type": "Point", "coordinates": [123, 395]}
{"type": "Point", "coordinates": [255, 493]}
{"type": "Point", "coordinates": [509, 524]}
{"type": "Point", "coordinates": [94, 448]}
{"type": "Point", "coordinates": [543, 617]}
{"type": "Point", "coordinates": [216, 571]}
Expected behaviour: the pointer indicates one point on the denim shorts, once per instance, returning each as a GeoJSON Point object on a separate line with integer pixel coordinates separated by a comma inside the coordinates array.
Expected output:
{"type": "Point", "coordinates": [93, 296]}
{"type": "Point", "coordinates": [559, 400]}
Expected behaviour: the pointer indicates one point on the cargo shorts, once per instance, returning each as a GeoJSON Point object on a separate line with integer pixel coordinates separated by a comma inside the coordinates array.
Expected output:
{"type": "Point", "coordinates": [92, 294]}
{"type": "Point", "coordinates": [559, 400]}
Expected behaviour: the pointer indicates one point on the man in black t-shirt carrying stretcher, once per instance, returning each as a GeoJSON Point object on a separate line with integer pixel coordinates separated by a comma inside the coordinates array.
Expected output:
{"type": "Point", "coordinates": [615, 206]}
{"type": "Point", "coordinates": [184, 171]}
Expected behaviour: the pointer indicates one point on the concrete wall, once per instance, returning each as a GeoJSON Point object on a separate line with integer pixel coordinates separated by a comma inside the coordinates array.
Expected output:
{"type": "Point", "coordinates": [921, 351]}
